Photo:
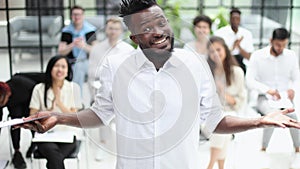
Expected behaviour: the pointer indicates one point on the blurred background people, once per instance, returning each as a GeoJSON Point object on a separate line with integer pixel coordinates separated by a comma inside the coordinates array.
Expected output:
{"type": "Point", "coordinates": [113, 44]}
{"type": "Point", "coordinates": [57, 93]}
{"type": "Point", "coordinates": [202, 28]}
{"type": "Point", "coordinates": [229, 79]}
{"type": "Point", "coordinates": [76, 42]}
{"type": "Point", "coordinates": [238, 39]}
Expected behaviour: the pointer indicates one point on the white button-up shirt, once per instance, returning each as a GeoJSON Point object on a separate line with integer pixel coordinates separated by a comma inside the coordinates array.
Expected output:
{"type": "Point", "coordinates": [267, 72]}
{"type": "Point", "coordinates": [230, 37]}
{"type": "Point", "coordinates": [158, 113]}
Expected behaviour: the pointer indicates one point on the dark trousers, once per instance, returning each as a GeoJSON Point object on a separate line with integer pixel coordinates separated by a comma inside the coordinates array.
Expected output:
{"type": "Point", "coordinates": [55, 153]}
{"type": "Point", "coordinates": [239, 59]}
{"type": "Point", "coordinates": [16, 133]}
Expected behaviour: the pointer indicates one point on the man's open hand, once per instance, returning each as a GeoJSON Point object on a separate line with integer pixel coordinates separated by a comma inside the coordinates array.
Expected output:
{"type": "Point", "coordinates": [280, 119]}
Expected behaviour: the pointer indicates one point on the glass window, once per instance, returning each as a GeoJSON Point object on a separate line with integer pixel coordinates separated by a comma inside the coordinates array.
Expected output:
{"type": "Point", "coordinates": [189, 3]}
{"type": "Point", "coordinates": [212, 2]}
{"type": "Point", "coordinates": [4, 64]}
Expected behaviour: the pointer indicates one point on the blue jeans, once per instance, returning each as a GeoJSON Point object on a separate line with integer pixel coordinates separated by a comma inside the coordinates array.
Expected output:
{"type": "Point", "coordinates": [80, 69]}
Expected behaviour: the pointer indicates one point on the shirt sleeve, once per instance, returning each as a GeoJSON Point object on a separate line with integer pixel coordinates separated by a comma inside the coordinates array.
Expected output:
{"type": "Point", "coordinates": [239, 82]}
{"type": "Point", "coordinates": [103, 105]}
{"type": "Point", "coordinates": [66, 37]}
{"type": "Point", "coordinates": [35, 102]}
{"type": "Point", "coordinates": [77, 96]}
{"type": "Point", "coordinates": [252, 74]}
{"type": "Point", "coordinates": [210, 107]}
{"type": "Point", "coordinates": [295, 74]}
{"type": "Point", "coordinates": [248, 47]}
{"type": "Point", "coordinates": [90, 37]}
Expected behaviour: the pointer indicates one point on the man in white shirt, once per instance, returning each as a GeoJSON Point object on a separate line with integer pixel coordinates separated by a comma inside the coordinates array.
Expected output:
{"type": "Point", "coordinates": [112, 45]}
{"type": "Point", "coordinates": [159, 97]}
{"type": "Point", "coordinates": [238, 39]}
{"type": "Point", "coordinates": [270, 72]}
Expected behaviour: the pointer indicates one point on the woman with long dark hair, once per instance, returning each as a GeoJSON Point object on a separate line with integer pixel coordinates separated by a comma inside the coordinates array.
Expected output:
{"type": "Point", "coordinates": [57, 94]}
{"type": "Point", "coordinates": [229, 79]}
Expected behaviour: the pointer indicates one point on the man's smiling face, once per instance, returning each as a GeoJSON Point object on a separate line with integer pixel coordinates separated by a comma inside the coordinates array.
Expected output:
{"type": "Point", "coordinates": [151, 30]}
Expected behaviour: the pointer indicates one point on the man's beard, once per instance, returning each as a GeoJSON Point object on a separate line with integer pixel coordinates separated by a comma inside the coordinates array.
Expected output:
{"type": "Point", "coordinates": [161, 56]}
{"type": "Point", "coordinates": [273, 50]}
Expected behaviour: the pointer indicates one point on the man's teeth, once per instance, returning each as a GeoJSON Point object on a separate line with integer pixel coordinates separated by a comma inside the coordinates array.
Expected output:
{"type": "Point", "coordinates": [160, 41]}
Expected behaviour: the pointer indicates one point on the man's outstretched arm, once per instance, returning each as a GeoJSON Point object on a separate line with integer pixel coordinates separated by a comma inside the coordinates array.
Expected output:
{"type": "Point", "coordinates": [83, 119]}
{"type": "Point", "coordinates": [231, 124]}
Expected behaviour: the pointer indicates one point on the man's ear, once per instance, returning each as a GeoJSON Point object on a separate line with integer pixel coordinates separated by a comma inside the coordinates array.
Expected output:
{"type": "Point", "coordinates": [134, 39]}
{"type": "Point", "coordinates": [271, 40]}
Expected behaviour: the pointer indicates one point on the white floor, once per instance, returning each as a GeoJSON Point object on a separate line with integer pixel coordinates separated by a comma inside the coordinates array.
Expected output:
{"type": "Point", "coordinates": [242, 154]}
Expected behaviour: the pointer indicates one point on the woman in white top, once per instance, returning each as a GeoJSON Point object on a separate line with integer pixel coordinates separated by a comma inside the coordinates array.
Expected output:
{"type": "Point", "coordinates": [202, 28]}
{"type": "Point", "coordinates": [229, 79]}
{"type": "Point", "coordinates": [57, 94]}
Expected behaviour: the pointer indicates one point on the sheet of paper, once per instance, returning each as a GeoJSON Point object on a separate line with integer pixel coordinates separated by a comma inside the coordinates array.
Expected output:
{"type": "Point", "coordinates": [3, 163]}
{"type": "Point", "coordinates": [284, 102]}
{"type": "Point", "coordinates": [18, 121]}
{"type": "Point", "coordinates": [56, 136]}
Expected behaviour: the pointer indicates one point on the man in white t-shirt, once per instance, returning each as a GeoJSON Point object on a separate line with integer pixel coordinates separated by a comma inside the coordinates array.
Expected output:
{"type": "Point", "coordinates": [159, 97]}
{"type": "Point", "coordinates": [238, 39]}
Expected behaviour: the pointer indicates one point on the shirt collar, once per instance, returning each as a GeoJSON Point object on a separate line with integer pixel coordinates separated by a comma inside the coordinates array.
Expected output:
{"type": "Point", "coordinates": [269, 56]}
{"type": "Point", "coordinates": [115, 46]}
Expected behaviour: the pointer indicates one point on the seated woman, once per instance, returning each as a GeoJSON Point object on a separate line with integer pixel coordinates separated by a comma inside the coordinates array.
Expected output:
{"type": "Point", "coordinates": [57, 94]}
{"type": "Point", "coordinates": [229, 79]}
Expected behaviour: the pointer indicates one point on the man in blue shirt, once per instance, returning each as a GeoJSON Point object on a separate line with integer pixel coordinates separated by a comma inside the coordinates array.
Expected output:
{"type": "Point", "coordinates": [76, 42]}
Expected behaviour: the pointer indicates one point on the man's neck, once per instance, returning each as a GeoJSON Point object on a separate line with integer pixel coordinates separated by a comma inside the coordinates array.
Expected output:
{"type": "Point", "coordinates": [158, 61]}
{"type": "Point", "coordinates": [235, 29]}
{"type": "Point", "coordinates": [78, 26]}
{"type": "Point", "coordinates": [273, 52]}
{"type": "Point", "coordinates": [113, 42]}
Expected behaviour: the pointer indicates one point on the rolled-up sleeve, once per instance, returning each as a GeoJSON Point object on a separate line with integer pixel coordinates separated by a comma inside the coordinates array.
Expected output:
{"type": "Point", "coordinates": [103, 105]}
{"type": "Point", "coordinates": [35, 101]}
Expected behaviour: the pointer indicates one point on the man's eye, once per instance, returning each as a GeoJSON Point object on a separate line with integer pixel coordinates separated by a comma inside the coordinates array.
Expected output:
{"type": "Point", "coordinates": [147, 29]}
{"type": "Point", "coordinates": [162, 23]}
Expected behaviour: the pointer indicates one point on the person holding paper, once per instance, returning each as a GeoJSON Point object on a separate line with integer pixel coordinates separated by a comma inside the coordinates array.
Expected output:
{"type": "Point", "coordinates": [159, 97]}
{"type": "Point", "coordinates": [15, 94]}
{"type": "Point", "coordinates": [56, 94]}
{"type": "Point", "coordinates": [271, 71]}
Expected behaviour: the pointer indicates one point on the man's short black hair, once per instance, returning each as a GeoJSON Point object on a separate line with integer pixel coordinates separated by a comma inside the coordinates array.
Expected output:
{"type": "Point", "coordinates": [202, 18]}
{"type": "Point", "coordinates": [235, 10]}
{"type": "Point", "coordinates": [128, 7]}
{"type": "Point", "coordinates": [280, 34]}
{"type": "Point", "coordinates": [77, 7]}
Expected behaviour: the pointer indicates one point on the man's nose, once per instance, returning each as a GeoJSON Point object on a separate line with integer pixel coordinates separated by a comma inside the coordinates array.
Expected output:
{"type": "Point", "coordinates": [157, 31]}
